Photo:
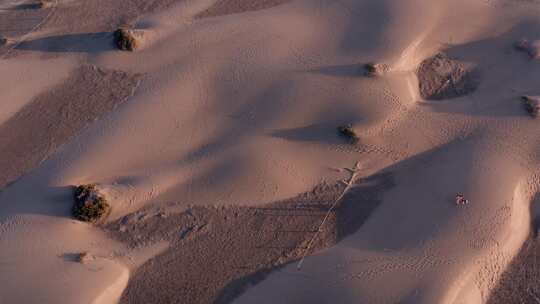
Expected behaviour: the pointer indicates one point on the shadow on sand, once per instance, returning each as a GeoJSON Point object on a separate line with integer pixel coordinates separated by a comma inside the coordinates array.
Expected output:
{"type": "Point", "coordinates": [76, 43]}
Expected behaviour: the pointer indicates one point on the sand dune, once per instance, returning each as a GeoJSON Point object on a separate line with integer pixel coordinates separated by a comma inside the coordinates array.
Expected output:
{"type": "Point", "coordinates": [230, 111]}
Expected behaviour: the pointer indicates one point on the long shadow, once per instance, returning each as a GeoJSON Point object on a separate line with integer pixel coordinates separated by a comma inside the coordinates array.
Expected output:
{"type": "Point", "coordinates": [74, 43]}
{"type": "Point", "coordinates": [348, 216]}
{"type": "Point", "coordinates": [364, 29]}
{"type": "Point", "coordinates": [26, 6]}
{"type": "Point", "coordinates": [344, 70]}
{"type": "Point", "coordinates": [316, 133]}
{"type": "Point", "coordinates": [229, 7]}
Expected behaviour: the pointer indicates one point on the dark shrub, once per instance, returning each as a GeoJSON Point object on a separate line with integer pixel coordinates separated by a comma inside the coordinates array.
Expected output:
{"type": "Point", "coordinates": [375, 69]}
{"type": "Point", "coordinates": [125, 40]}
{"type": "Point", "coordinates": [3, 41]}
{"type": "Point", "coordinates": [44, 4]}
{"type": "Point", "coordinates": [532, 104]}
{"type": "Point", "coordinates": [348, 132]}
{"type": "Point", "coordinates": [90, 205]}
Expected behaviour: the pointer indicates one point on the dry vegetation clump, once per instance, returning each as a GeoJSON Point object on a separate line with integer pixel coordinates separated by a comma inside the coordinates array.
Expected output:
{"type": "Point", "coordinates": [348, 132]}
{"type": "Point", "coordinates": [125, 39]}
{"type": "Point", "coordinates": [5, 41]}
{"type": "Point", "coordinates": [90, 205]}
{"type": "Point", "coordinates": [375, 69]}
{"type": "Point", "coordinates": [532, 48]}
{"type": "Point", "coordinates": [44, 4]}
{"type": "Point", "coordinates": [532, 104]}
{"type": "Point", "coordinates": [84, 257]}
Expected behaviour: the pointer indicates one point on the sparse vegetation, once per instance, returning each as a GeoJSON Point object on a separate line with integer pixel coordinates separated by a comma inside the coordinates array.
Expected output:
{"type": "Point", "coordinates": [375, 69]}
{"type": "Point", "coordinates": [84, 257]}
{"type": "Point", "coordinates": [532, 104]}
{"type": "Point", "coordinates": [531, 48]}
{"type": "Point", "coordinates": [125, 40]}
{"type": "Point", "coordinates": [348, 132]}
{"type": "Point", "coordinates": [90, 205]}
{"type": "Point", "coordinates": [43, 4]}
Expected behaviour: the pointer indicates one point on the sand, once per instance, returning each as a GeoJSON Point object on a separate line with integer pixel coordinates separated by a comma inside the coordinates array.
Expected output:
{"type": "Point", "coordinates": [229, 110]}
{"type": "Point", "coordinates": [227, 7]}
{"type": "Point", "coordinates": [37, 129]}
{"type": "Point", "coordinates": [222, 251]}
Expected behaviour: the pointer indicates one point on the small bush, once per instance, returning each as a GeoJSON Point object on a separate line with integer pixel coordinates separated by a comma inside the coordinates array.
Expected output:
{"type": "Point", "coordinates": [529, 47]}
{"type": "Point", "coordinates": [44, 4]}
{"type": "Point", "coordinates": [3, 41]}
{"type": "Point", "coordinates": [349, 133]}
{"type": "Point", "coordinates": [532, 105]}
{"type": "Point", "coordinates": [90, 205]}
{"type": "Point", "coordinates": [125, 39]}
{"type": "Point", "coordinates": [375, 69]}
{"type": "Point", "coordinates": [84, 257]}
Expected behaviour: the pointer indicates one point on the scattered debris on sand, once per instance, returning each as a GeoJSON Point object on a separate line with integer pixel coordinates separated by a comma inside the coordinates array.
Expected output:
{"type": "Point", "coordinates": [125, 39]}
{"type": "Point", "coordinates": [90, 205]}
{"type": "Point", "coordinates": [532, 48]}
{"type": "Point", "coordinates": [348, 132]}
{"type": "Point", "coordinates": [532, 104]}
{"type": "Point", "coordinates": [441, 77]}
{"type": "Point", "coordinates": [375, 69]}
{"type": "Point", "coordinates": [461, 200]}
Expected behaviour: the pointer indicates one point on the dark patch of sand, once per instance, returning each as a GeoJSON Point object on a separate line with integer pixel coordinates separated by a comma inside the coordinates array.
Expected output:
{"type": "Point", "coordinates": [54, 117]}
{"type": "Point", "coordinates": [520, 284]}
{"type": "Point", "coordinates": [17, 22]}
{"type": "Point", "coordinates": [441, 77]}
{"type": "Point", "coordinates": [228, 7]}
{"type": "Point", "coordinates": [216, 253]}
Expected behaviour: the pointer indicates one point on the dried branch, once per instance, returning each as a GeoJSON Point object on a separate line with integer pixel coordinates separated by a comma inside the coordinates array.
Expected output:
{"type": "Point", "coordinates": [348, 185]}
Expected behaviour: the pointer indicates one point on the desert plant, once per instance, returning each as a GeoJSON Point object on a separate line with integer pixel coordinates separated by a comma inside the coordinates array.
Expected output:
{"type": "Point", "coordinates": [375, 69]}
{"type": "Point", "coordinates": [43, 4]}
{"type": "Point", "coordinates": [125, 39]}
{"type": "Point", "coordinates": [531, 48]}
{"type": "Point", "coordinates": [84, 257]}
{"type": "Point", "coordinates": [348, 132]}
{"type": "Point", "coordinates": [532, 104]}
{"type": "Point", "coordinates": [90, 205]}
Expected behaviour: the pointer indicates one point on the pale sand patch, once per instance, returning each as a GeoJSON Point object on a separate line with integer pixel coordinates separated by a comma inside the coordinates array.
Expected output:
{"type": "Point", "coordinates": [113, 292]}
{"type": "Point", "coordinates": [23, 80]}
